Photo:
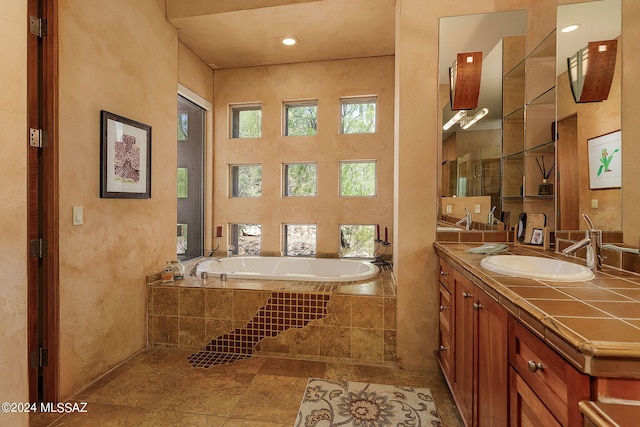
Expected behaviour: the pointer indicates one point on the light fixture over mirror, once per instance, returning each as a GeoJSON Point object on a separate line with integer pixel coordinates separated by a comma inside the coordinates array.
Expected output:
{"type": "Point", "coordinates": [577, 123]}
{"type": "Point", "coordinates": [591, 71]}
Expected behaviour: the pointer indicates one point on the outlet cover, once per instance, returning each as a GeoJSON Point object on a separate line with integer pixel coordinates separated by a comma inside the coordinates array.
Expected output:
{"type": "Point", "coordinates": [594, 203]}
{"type": "Point", "coordinates": [448, 209]}
{"type": "Point", "coordinates": [477, 210]}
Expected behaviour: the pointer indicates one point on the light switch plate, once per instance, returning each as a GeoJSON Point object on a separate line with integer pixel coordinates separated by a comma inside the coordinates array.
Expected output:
{"type": "Point", "coordinates": [594, 203]}
{"type": "Point", "coordinates": [477, 210]}
{"type": "Point", "coordinates": [78, 215]}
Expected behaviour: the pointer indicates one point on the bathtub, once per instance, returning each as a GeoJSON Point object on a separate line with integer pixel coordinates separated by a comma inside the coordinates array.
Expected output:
{"type": "Point", "coordinates": [290, 268]}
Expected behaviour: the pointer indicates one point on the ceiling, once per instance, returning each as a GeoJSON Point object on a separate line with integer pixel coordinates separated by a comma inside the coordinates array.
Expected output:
{"type": "Point", "coordinates": [245, 33]}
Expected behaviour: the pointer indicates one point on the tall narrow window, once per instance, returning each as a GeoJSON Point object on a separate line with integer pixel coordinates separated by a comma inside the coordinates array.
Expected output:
{"type": "Point", "coordinates": [301, 118]}
{"type": "Point", "coordinates": [300, 179]}
{"type": "Point", "coordinates": [190, 141]}
{"type": "Point", "coordinates": [300, 239]}
{"type": "Point", "coordinates": [358, 115]}
{"type": "Point", "coordinates": [246, 180]}
{"type": "Point", "coordinates": [246, 121]}
{"type": "Point", "coordinates": [358, 178]}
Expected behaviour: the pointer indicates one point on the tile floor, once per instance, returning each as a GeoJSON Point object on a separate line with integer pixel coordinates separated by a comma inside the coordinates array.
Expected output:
{"type": "Point", "coordinates": [157, 387]}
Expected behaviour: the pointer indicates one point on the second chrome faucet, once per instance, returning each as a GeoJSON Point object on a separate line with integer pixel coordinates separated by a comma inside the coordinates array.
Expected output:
{"type": "Point", "coordinates": [593, 242]}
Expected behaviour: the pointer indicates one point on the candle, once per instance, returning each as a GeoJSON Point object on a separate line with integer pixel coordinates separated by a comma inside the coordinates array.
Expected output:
{"type": "Point", "coordinates": [377, 231]}
{"type": "Point", "coordinates": [218, 231]}
{"type": "Point", "coordinates": [386, 236]}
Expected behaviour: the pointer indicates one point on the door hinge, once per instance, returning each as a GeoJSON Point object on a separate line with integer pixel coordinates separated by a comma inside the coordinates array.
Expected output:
{"type": "Point", "coordinates": [40, 358]}
{"type": "Point", "coordinates": [38, 26]}
{"type": "Point", "coordinates": [39, 248]}
{"type": "Point", "coordinates": [37, 138]}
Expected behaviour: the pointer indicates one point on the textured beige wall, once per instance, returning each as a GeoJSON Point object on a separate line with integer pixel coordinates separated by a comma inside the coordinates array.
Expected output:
{"type": "Point", "coordinates": [120, 56]}
{"type": "Point", "coordinates": [326, 82]}
{"type": "Point", "coordinates": [13, 207]}
{"type": "Point", "coordinates": [630, 113]}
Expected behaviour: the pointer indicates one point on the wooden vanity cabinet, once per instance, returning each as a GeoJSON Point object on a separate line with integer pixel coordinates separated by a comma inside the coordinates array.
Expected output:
{"type": "Point", "coordinates": [445, 350]}
{"type": "Point", "coordinates": [477, 373]}
{"type": "Point", "coordinates": [544, 388]}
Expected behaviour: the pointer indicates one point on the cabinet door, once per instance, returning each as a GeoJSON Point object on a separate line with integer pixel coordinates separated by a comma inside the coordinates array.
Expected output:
{"type": "Point", "coordinates": [463, 355]}
{"type": "Point", "coordinates": [445, 353]}
{"type": "Point", "coordinates": [492, 362]}
{"type": "Point", "coordinates": [527, 410]}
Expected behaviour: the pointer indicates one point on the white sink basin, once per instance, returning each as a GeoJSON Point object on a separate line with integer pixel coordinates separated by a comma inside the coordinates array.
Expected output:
{"type": "Point", "coordinates": [536, 268]}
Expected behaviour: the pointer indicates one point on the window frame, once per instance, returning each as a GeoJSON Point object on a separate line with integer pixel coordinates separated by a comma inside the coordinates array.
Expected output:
{"type": "Point", "coordinates": [298, 103]}
{"type": "Point", "coordinates": [375, 177]}
{"type": "Point", "coordinates": [361, 99]}
{"type": "Point", "coordinates": [234, 119]}
{"type": "Point", "coordinates": [285, 239]}
{"type": "Point", "coordinates": [235, 236]}
{"type": "Point", "coordinates": [234, 179]}
{"type": "Point", "coordinates": [285, 176]}
{"type": "Point", "coordinates": [373, 241]}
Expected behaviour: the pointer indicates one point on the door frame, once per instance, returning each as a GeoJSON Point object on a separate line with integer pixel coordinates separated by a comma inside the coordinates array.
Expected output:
{"type": "Point", "coordinates": [42, 205]}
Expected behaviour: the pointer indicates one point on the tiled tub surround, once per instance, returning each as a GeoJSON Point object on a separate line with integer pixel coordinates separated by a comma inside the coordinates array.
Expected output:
{"type": "Point", "coordinates": [223, 321]}
{"type": "Point", "coordinates": [595, 324]}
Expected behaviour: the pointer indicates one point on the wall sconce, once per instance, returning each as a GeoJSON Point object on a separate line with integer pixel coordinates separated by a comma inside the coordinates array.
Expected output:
{"type": "Point", "coordinates": [591, 71]}
{"type": "Point", "coordinates": [465, 122]}
{"type": "Point", "coordinates": [464, 81]}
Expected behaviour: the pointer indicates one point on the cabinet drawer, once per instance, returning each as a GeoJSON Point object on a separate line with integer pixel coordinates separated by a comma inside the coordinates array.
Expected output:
{"type": "Point", "coordinates": [554, 381]}
{"type": "Point", "coordinates": [446, 332]}
{"type": "Point", "coordinates": [445, 273]}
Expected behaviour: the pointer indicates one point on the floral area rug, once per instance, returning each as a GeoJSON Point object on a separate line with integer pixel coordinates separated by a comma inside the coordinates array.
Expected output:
{"type": "Point", "coordinates": [331, 404]}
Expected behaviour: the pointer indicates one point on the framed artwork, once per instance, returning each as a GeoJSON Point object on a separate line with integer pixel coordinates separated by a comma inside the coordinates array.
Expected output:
{"type": "Point", "coordinates": [605, 161]}
{"type": "Point", "coordinates": [536, 236]}
{"type": "Point", "coordinates": [125, 158]}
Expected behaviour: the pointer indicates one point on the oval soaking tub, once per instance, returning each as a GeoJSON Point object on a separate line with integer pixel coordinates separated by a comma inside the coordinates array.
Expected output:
{"type": "Point", "coordinates": [290, 268]}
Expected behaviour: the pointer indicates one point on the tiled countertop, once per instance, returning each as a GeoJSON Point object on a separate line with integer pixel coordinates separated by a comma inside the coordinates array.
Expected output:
{"type": "Point", "coordinates": [594, 324]}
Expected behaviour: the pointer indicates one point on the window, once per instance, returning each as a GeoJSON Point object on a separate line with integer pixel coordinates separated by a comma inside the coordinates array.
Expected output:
{"type": "Point", "coordinates": [358, 115]}
{"type": "Point", "coordinates": [246, 239]}
{"type": "Point", "coordinates": [246, 180]}
{"type": "Point", "coordinates": [190, 185]}
{"type": "Point", "coordinates": [301, 118]}
{"type": "Point", "coordinates": [357, 178]}
{"type": "Point", "coordinates": [300, 179]}
{"type": "Point", "coordinates": [356, 241]}
{"type": "Point", "coordinates": [246, 121]}
{"type": "Point", "coordinates": [300, 239]}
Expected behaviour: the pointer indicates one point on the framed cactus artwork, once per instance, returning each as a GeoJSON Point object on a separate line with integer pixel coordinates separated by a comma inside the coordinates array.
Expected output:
{"type": "Point", "coordinates": [605, 161]}
{"type": "Point", "coordinates": [125, 158]}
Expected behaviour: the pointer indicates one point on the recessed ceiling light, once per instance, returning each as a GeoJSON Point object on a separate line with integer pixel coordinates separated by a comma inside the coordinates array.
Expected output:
{"type": "Point", "coordinates": [288, 41]}
{"type": "Point", "coordinates": [570, 28]}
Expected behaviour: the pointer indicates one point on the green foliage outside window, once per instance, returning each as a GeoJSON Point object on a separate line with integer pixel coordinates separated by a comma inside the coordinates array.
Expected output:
{"type": "Point", "coordinates": [301, 179]}
{"type": "Point", "coordinates": [301, 119]}
{"type": "Point", "coordinates": [246, 121]}
{"type": "Point", "coordinates": [246, 181]}
{"type": "Point", "coordinates": [357, 179]}
{"type": "Point", "coordinates": [359, 116]}
{"type": "Point", "coordinates": [356, 241]}
{"type": "Point", "coordinates": [183, 183]}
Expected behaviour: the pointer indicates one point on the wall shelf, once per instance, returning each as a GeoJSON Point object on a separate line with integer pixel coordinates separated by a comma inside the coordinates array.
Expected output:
{"type": "Point", "coordinates": [529, 97]}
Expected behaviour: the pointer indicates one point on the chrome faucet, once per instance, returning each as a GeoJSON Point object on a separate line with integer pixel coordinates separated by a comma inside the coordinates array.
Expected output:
{"type": "Point", "coordinates": [194, 269]}
{"type": "Point", "coordinates": [230, 250]}
{"type": "Point", "coordinates": [466, 220]}
{"type": "Point", "coordinates": [593, 243]}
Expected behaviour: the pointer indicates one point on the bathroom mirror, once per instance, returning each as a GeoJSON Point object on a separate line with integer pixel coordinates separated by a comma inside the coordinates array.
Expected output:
{"type": "Point", "coordinates": [580, 123]}
{"type": "Point", "coordinates": [471, 158]}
